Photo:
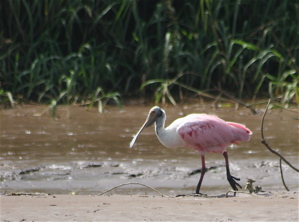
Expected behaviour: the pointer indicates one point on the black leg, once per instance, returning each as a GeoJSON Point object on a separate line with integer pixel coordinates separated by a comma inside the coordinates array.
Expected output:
{"type": "Point", "coordinates": [231, 179]}
{"type": "Point", "coordinates": [203, 171]}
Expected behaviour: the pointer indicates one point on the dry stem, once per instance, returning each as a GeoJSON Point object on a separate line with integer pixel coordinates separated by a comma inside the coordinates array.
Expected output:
{"type": "Point", "coordinates": [273, 151]}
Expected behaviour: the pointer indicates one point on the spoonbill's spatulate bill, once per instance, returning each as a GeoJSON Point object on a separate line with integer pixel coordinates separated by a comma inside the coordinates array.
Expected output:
{"type": "Point", "coordinates": [202, 132]}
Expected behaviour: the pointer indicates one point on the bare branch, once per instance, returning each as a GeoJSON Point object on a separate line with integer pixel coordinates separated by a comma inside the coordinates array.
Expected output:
{"type": "Point", "coordinates": [267, 145]}
{"type": "Point", "coordinates": [238, 101]}
{"type": "Point", "coordinates": [281, 174]}
{"type": "Point", "coordinates": [125, 184]}
{"type": "Point", "coordinates": [273, 151]}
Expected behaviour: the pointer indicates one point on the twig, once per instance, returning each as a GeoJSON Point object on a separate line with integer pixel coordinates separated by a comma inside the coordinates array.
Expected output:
{"type": "Point", "coordinates": [125, 184]}
{"type": "Point", "coordinates": [273, 151]}
{"type": "Point", "coordinates": [281, 174]}
{"type": "Point", "coordinates": [267, 145]}
{"type": "Point", "coordinates": [214, 103]}
{"type": "Point", "coordinates": [238, 101]}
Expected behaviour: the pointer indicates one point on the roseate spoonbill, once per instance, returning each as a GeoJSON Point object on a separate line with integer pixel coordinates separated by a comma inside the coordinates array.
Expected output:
{"type": "Point", "coordinates": [202, 132]}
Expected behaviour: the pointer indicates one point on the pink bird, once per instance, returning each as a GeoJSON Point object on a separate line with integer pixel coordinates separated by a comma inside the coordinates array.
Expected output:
{"type": "Point", "coordinates": [202, 132]}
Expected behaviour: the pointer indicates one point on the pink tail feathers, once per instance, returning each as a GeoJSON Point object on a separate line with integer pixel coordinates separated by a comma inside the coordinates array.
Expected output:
{"type": "Point", "coordinates": [240, 132]}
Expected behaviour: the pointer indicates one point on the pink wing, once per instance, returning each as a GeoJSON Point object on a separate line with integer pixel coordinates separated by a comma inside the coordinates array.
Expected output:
{"type": "Point", "coordinates": [209, 133]}
{"type": "Point", "coordinates": [240, 132]}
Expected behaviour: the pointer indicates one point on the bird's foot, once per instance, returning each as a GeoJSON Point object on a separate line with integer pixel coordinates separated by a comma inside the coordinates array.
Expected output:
{"type": "Point", "coordinates": [232, 181]}
{"type": "Point", "coordinates": [232, 191]}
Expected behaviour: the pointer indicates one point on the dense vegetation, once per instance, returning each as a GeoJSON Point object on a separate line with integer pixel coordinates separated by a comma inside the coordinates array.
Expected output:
{"type": "Point", "coordinates": [65, 51]}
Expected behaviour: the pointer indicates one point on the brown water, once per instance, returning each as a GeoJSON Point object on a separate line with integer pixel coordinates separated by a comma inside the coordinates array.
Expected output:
{"type": "Point", "coordinates": [85, 152]}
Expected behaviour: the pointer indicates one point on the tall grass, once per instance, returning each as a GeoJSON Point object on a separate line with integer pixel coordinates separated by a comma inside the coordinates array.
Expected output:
{"type": "Point", "coordinates": [65, 51]}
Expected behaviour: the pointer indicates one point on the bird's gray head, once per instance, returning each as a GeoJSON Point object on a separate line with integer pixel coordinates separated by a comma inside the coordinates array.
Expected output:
{"type": "Point", "coordinates": [155, 113]}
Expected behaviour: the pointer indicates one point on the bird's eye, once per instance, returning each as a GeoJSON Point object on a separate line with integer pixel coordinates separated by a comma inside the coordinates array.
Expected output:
{"type": "Point", "coordinates": [159, 112]}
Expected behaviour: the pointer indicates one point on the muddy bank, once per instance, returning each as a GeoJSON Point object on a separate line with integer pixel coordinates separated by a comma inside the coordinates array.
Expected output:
{"type": "Point", "coordinates": [85, 152]}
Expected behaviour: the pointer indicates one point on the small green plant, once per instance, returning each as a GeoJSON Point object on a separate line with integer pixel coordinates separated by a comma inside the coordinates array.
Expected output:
{"type": "Point", "coordinates": [53, 107]}
{"type": "Point", "coordinates": [162, 92]}
{"type": "Point", "coordinates": [286, 87]}
{"type": "Point", "coordinates": [6, 97]}
{"type": "Point", "coordinates": [103, 98]}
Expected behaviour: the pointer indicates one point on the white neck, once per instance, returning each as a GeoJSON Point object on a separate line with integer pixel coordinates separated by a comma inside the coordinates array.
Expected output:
{"type": "Point", "coordinates": [168, 137]}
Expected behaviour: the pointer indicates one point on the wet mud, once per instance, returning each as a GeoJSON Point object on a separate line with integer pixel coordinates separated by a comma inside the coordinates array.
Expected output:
{"type": "Point", "coordinates": [85, 152]}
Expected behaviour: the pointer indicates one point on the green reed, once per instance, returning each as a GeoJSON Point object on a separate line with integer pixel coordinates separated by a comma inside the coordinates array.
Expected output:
{"type": "Point", "coordinates": [71, 51]}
